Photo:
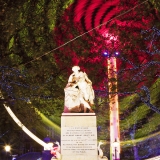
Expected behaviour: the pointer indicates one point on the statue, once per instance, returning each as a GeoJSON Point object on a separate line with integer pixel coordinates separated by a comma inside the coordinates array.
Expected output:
{"type": "Point", "coordinates": [100, 152]}
{"type": "Point", "coordinates": [79, 94]}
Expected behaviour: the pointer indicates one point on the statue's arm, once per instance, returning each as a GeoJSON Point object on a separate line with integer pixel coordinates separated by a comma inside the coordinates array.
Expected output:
{"type": "Point", "coordinates": [87, 79]}
{"type": "Point", "coordinates": [71, 81]}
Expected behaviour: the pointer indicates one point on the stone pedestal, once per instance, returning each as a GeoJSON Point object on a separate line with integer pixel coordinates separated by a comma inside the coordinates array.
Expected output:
{"type": "Point", "coordinates": [78, 136]}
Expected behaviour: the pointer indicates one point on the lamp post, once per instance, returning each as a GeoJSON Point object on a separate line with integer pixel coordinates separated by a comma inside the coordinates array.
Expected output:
{"type": "Point", "coordinates": [7, 149]}
{"type": "Point", "coordinates": [114, 109]}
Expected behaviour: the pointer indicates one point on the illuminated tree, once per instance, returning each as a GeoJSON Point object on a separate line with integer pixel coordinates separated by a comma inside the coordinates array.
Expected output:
{"type": "Point", "coordinates": [33, 70]}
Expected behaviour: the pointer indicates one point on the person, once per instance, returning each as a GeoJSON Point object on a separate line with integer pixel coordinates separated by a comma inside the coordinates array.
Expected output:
{"type": "Point", "coordinates": [79, 94]}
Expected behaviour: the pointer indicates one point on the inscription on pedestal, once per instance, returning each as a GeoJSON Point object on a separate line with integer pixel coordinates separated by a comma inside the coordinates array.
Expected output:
{"type": "Point", "coordinates": [79, 140]}
{"type": "Point", "coordinates": [78, 137]}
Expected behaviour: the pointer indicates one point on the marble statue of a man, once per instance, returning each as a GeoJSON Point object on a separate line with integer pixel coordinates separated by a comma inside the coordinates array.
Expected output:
{"type": "Point", "coordinates": [79, 94]}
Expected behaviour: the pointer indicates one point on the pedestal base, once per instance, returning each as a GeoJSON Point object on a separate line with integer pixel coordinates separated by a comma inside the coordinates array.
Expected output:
{"type": "Point", "coordinates": [78, 136]}
{"type": "Point", "coordinates": [88, 157]}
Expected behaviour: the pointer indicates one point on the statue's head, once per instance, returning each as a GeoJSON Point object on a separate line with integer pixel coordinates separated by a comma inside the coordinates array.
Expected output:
{"type": "Point", "coordinates": [75, 68]}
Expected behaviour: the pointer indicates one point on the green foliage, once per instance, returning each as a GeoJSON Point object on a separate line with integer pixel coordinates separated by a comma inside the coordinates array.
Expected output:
{"type": "Point", "coordinates": [134, 113]}
{"type": "Point", "coordinates": [156, 4]}
{"type": "Point", "coordinates": [26, 47]}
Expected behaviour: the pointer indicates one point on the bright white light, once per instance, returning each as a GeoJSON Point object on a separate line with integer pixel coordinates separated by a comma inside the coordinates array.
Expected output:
{"type": "Point", "coordinates": [28, 132]}
{"type": "Point", "coordinates": [48, 146]}
{"type": "Point", "coordinates": [115, 144]}
{"type": "Point", "coordinates": [117, 53]}
{"type": "Point", "coordinates": [105, 53]}
{"type": "Point", "coordinates": [7, 148]}
{"type": "Point", "coordinates": [23, 127]}
{"type": "Point", "coordinates": [111, 37]}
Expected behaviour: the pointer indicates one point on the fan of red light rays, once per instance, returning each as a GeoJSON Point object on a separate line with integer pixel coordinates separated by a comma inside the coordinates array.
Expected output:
{"type": "Point", "coordinates": [104, 13]}
{"type": "Point", "coordinates": [105, 21]}
{"type": "Point", "coordinates": [94, 13]}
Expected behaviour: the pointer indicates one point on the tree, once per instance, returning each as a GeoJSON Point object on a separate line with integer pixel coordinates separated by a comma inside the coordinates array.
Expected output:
{"type": "Point", "coordinates": [35, 67]}
{"type": "Point", "coordinates": [30, 78]}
